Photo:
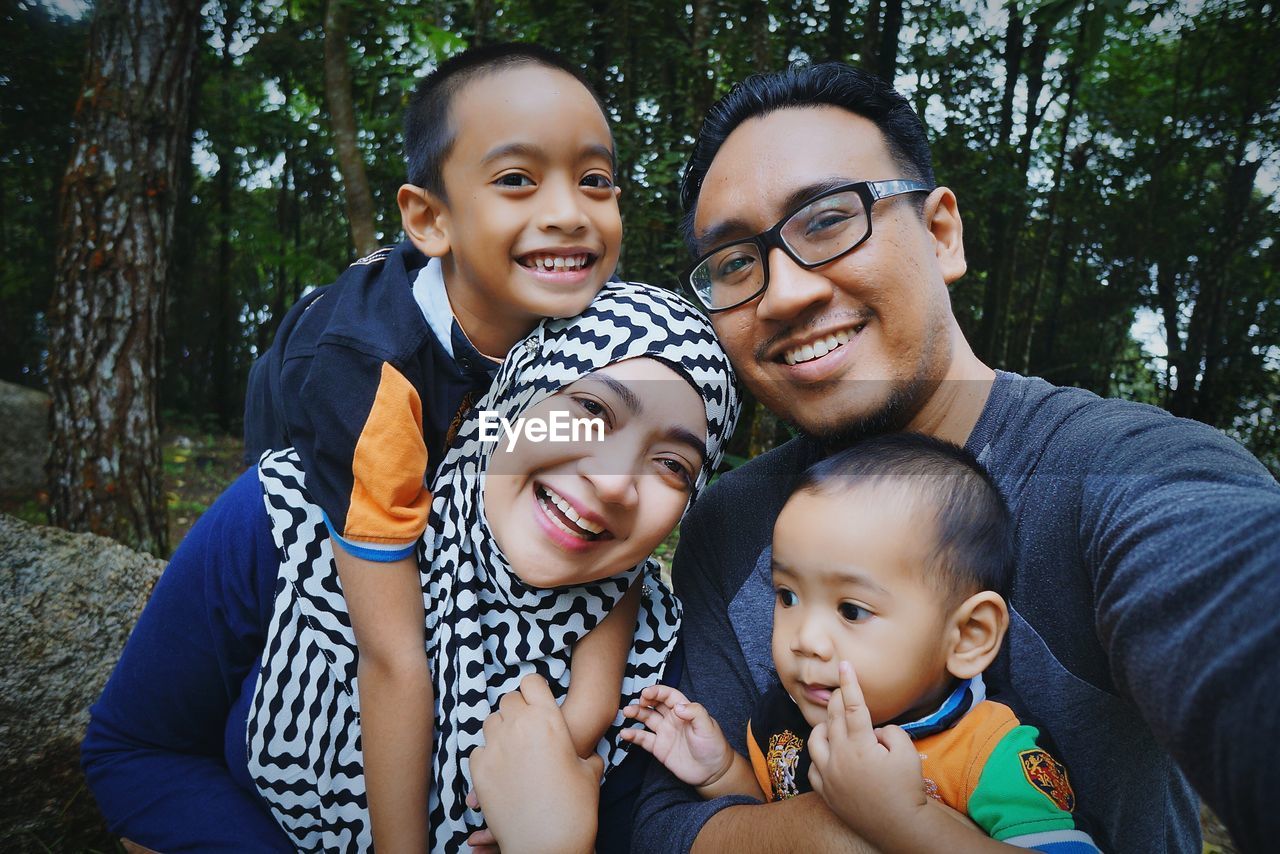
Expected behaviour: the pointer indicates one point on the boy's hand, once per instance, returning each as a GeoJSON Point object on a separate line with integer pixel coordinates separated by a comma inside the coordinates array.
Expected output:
{"type": "Point", "coordinates": [870, 777]}
{"type": "Point", "coordinates": [681, 735]}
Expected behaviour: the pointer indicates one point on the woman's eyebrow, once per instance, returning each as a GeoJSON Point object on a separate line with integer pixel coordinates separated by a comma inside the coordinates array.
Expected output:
{"type": "Point", "coordinates": [628, 397]}
{"type": "Point", "coordinates": [688, 437]}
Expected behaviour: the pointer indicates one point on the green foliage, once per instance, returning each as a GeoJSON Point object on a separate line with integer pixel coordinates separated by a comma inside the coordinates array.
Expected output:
{"type": "Point", "coordinates": [1129, 174]}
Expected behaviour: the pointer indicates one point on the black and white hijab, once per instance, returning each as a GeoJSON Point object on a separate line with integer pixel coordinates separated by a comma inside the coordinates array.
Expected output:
{"type": "Point", "coordinates": [485, 629]}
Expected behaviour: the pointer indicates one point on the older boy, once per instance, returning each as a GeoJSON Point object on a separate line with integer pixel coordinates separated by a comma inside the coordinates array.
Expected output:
{"type": "Point", "coordinates": [511, 216]}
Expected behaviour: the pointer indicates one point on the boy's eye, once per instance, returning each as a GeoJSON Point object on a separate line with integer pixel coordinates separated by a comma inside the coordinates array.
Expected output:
{"type": "Point", "coordinates": [514, 179]}
{"type": "Point", "coordinates": [598, 181]}
{"type": "Point", "coordinates": [786, 598]}
{"type": "Point", "coordinates": [852, 612]}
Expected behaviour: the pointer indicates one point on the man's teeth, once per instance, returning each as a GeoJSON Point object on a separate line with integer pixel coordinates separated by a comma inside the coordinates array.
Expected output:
{"type": "Point", "coordinates": [816, 349]}
{"type": "Point", "coordinates": [557, 262]}
{"type": "Point", "coordinates": [567, 509]}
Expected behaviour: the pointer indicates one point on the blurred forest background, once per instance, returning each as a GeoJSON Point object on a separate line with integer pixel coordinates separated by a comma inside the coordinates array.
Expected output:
{"type": "Point", "coordinates": [1116, 165]}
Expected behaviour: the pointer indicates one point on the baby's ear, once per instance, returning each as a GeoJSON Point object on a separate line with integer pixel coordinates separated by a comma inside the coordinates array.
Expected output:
{"type": "Point", "coordinates": [425, 218]}
{"type": "Point", "coordinates": [975, 632]}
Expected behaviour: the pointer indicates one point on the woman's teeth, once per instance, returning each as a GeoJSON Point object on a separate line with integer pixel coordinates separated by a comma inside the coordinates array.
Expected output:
{"type": "Point", "coordinates": [557, 262]}
{"type": "Point", "coordinates": [584, 528]}
{"type": "Point", "coordinates": [817, 349]}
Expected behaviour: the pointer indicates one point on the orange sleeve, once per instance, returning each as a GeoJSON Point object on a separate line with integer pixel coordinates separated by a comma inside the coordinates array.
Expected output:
{"type": "Point", "coordinates": [759, 765]}
{"type": "Point", "coordinates": [389, 501]}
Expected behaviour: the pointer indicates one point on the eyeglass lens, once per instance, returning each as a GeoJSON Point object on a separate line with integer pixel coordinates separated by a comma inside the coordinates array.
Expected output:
{"type": "Point", "coordinates": [815, 234]}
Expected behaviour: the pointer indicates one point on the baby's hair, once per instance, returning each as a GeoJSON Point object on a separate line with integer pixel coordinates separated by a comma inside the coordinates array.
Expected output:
{"type": "Point", "coordinates": [429, 131]}
{"type": "Point", "coordinates": [974, 549]}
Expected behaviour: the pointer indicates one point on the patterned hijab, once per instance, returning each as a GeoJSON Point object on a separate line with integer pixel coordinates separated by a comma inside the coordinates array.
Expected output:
{"type": "Point", "coordinates": [486, 629]}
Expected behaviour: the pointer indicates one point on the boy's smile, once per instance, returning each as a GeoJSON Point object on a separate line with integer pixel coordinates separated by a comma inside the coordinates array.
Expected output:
{"type": "Point", "coordinates": [530, 227]}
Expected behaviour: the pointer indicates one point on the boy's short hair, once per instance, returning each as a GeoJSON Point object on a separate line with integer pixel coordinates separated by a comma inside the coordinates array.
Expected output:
{"type": "Point", "coordinates": [974, 548]}
{"type": "Point", "coordinates": [825, 84]}
{"type": "Point", "coordinates": [428, 127]}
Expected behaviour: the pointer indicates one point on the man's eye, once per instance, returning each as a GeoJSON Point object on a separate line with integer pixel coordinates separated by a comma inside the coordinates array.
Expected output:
{"type": "Point", "coordinates": [851, 612]}
{"type": "Point", "coordinates": [514, 179]}
{"type": "Point", "coordinates": [786, 598]}
{"type": "Point", "coordinates": [733, 266]}
{"type": "Point", "coordinates": [827, 223]}
{"type": "Point", "coordinates": [597, 181]}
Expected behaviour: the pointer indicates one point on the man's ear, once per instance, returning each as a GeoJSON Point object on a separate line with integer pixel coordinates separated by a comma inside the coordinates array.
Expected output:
{"type": "Point", "coordinates": [975, 632]}
{"type": "Point", "coordinates": [942, 216]}
{"type": "Point", "coordinates": [425, 219]}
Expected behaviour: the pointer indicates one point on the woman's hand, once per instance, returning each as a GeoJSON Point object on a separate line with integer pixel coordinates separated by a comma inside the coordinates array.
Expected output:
{"type": "Point", "coordinates": [537, 795]}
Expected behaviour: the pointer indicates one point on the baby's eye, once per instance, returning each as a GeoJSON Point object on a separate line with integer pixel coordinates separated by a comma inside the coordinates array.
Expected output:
{"type": "Point", "coordinates": [514, 179]}
{"type": "Point", "coordinates": [597, 181]}
{"type": "Point", "coordinates": [786, 598]}
{"type": "Point", "coordinates": [851, 612]}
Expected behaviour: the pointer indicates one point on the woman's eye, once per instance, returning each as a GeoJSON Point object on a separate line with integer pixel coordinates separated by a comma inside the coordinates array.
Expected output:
{"type": "Point", "coordinates": [514, 179]}
{"type": "Point", "coordinates": [597, 181]}
{"type": "Point", "coordinates": [786, 598]}
{"type": "Point", "coordinates": [594, 409]}
{"type": "Point", "coordinates": [851, 612]}
{"type": "Point", "coordinates": [679, 469]}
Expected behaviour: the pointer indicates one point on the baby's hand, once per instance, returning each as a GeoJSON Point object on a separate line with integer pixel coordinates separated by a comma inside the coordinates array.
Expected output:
{"type": "Point", "coordinates": [680, 734]}
{"type": "Point", "coordinates": [869, 777]}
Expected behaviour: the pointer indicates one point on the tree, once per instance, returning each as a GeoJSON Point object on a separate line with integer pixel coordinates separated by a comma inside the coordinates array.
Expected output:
{"type": "Point", "coordinates": [337, 79]}
{"type": "Point", "coordinates": [116, 223]}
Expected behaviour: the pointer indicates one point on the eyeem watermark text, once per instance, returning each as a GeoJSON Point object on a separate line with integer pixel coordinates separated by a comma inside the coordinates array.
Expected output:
{"type": "Point", "coordinates": [559, 427]}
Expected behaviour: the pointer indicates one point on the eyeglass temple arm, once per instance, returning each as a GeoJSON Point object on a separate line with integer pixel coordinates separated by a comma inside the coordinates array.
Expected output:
{"type": "Point", "coordinates": [884, 189]}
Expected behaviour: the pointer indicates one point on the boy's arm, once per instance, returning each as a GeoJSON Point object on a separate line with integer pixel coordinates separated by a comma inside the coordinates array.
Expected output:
{"type": "Point", "coordinates": [397, 702]}
{"type": "Point", "coordinates": [596, 671]}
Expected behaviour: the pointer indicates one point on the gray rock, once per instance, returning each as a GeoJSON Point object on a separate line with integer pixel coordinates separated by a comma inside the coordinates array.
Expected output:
{"type": "Point", "coordinates": [67, 605]}
{"type": "Point", "coordinates": [24, 440]}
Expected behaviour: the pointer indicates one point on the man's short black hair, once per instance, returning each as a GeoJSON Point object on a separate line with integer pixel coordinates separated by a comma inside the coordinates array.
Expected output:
{"type": "Point", "coordinates": [974, 548]}
{"type": "Point", "coordinates": [428, 126]}
{"type": "Point", "coordinates": [803, 85]}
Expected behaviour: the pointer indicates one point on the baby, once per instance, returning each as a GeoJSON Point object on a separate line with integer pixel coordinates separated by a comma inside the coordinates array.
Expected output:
{"type": "Point", "coordinates": [889, 560]}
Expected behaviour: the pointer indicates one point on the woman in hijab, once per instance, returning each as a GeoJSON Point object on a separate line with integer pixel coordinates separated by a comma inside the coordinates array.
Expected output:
{"type": "Point", "coordinates": [236, 694]}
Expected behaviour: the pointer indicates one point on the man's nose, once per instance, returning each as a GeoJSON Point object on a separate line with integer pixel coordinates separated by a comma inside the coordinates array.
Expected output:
{"type": "Point", "coordinates": [792, 289]}
{"type": "Point", "coordinates": [561, 207]}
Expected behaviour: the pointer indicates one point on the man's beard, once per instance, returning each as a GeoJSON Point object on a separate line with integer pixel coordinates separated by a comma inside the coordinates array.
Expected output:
{"type": "Point", "coordinates": [904, 401]}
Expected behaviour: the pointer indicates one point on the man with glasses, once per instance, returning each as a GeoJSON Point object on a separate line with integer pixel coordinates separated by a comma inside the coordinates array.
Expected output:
{"type": "Point", "coordinates": [1146, 601]}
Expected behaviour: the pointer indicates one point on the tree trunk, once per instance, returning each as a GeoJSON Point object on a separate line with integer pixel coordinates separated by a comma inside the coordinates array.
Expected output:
{"type": "Point", "coordinates": [887, 55]}
{"type": "Point", "coordinates": [225, 331]}
{"type": "Point", "coordinates": [342, 117]}
{"type": "Point", "coordinates": [836, 39]}
{"type": "Point", "coordinates": [117, 209]}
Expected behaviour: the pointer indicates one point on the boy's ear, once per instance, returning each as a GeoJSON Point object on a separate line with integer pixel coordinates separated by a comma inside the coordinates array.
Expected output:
{"type": "Point", "coordinates": [974, 633]}
{"type": "Point", "coordinates": [425, 219]}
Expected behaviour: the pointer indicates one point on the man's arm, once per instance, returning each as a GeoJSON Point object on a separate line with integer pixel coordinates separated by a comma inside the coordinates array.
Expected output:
{"type": "Point", "coordinates": [1182, 536]}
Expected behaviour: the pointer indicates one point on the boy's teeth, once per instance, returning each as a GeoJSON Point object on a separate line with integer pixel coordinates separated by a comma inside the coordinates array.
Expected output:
{"type": "Point", "coordinates": [558, 262]}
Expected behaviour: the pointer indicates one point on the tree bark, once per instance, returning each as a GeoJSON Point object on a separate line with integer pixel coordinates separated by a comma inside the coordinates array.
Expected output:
{"type": "Point", "coordinates": [113, 252]}
{"type": "Point", "coordinates": [887, 55]}
{"type": "Point", "coordinates": [342, 118]}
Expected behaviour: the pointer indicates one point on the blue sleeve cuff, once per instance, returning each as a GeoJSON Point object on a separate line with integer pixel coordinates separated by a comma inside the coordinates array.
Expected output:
{"type": "Point", "coordinates": [375, 552]}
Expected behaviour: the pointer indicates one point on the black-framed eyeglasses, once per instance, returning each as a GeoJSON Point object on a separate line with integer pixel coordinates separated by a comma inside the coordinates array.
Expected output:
{"type": "Point", "coordinates": [827, 226]}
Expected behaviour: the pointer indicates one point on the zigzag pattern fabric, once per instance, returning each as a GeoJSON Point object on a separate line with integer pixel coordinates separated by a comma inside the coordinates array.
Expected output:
{"type": "Point", "coordinates": [485, 629]}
